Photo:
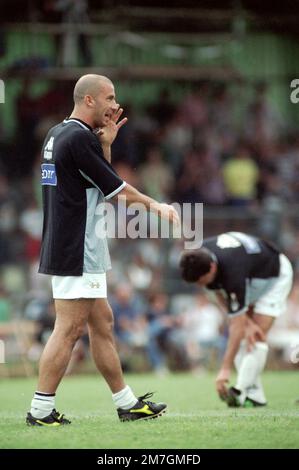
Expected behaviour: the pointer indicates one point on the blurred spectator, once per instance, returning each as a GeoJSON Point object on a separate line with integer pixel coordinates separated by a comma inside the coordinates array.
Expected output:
{"type": "Point", "coordinates": [8, 220]}
{"type": "Point", "coordinates": [5, 250]}
{"type": "Point", "coordinates": [129, 319]}
{"type": "Point", "coordinates": [204, 327]}
{"type": "Point", "coordinates": [287, 164]}
{"type": "Point", "coordinates": [262, 123]}
{"type": "Point", "coordinates": [240, 174]}
{"type": "Point", "coordinates": [31, 224]}
{"type": "Point", "coordinates": [194, 108]}
{"type": "Point", "coordinates": [5, 305]}
{"type": "Point", "coordinates": [177, 140]}
{"type": "Point", "coordinates": [54, 104]}
{"type": "Point", "coordinates": [222, 109]}
{"type": "Point", "coordinates": [188, 187]}
{"type": "Point", "coordinates": [159, 328]}
{"type": "Point", "coordinates": [211, 180]}
{"type": "Point", "coordinates": [162, 110]}
{"type": "Point", "coordinates": [139, 273]}
{"type": "Point", "coordinates": [156, 177]}
{"type": "Point", "coordinates": [41, 311]}
{"type": "Point", "coordinates": [27, 120]}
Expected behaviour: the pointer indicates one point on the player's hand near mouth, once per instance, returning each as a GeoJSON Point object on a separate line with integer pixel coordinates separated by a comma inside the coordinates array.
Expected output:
{"type": "Point", "coordinates": [108, 133]}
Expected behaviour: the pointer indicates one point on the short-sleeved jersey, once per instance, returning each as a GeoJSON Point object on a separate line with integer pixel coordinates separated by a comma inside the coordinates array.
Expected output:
{"type": "Point", "coordinates": [75, 179]}
{"type": "Point", "coordinates": [247, 268]}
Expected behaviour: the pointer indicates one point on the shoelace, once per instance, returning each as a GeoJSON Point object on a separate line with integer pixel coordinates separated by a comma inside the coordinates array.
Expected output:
{"type": "Point", "coordinates": [57, 416]}
{"type": "Point", "coordinates": [144, 397]}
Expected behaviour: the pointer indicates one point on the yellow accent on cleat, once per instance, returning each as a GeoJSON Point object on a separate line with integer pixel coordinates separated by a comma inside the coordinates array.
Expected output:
{"type": "Point", "coordinates": [145, 410]}
{"type": "Point", "coordinates": [47, 424]}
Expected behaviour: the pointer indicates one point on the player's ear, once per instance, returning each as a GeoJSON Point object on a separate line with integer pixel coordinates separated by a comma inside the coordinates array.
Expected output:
{"type": "Point", "coordinates": [89, 101]}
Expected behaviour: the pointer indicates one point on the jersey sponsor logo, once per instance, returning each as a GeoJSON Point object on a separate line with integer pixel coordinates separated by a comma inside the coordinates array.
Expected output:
{"type": "Point", "coordinates": [49, 177]}
{"type": "Point", "coordinates": [236, 239]}
{"type": "Point", "coordinates": [227, 241]}
{"type": "Point", "coordinates": [49, 149]}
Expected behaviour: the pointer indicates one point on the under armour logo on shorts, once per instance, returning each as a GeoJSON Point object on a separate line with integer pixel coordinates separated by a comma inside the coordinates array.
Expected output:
{"type": "Point", "coordinates": [95, 285]}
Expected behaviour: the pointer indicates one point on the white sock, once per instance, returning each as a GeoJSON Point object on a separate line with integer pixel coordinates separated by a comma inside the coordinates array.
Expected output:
{"type": "Point", "coordinates": [125, 398]}
{"type": "Point", "coordinates": [256, 392]}
{"type": "Point", "coordinates": [240, 355]}
{"type": "Point", "coordinates": [42, 404]}
{"type": "Point", "coordinates": [251, 366]}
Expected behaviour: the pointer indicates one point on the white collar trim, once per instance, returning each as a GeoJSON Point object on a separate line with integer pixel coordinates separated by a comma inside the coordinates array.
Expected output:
{"type": "Point", "coordinates": [77, 122]}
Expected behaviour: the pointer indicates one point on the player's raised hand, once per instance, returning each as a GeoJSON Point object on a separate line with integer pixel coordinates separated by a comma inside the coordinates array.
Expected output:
{"type": "Point", "coordinates": [108, 133]}
{"type": "Point", "coordinates": [115, 118]}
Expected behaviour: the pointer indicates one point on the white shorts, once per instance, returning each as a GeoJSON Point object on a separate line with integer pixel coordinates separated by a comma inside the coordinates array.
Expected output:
{"type": "Point", "coordinates": [274, 302]}
{"type": "Point", "coordinates": [87, 286]}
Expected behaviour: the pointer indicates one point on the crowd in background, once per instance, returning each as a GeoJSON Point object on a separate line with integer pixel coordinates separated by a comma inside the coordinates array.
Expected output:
{"type": "Point", "coordinates": [200, 149]}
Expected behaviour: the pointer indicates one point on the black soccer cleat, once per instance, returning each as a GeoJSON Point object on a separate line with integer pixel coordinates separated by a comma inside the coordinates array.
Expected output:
{"type": "Point", "coordinates": [232, 397]}
{"type": "Point", "coordinates": [143, 409]}
{"type": "Point", "coordinates": [250, 403]}
{"type": "Point", "coordinates": [233, 400]}
{"type": "Point", "coordinates": [54, 419]}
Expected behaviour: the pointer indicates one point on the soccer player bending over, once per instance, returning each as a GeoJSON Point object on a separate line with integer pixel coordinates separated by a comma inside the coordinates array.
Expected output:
{"type": "Point", "coordinates": [77, 176]}
{"type": "Point", "coordinates": [252, 279]}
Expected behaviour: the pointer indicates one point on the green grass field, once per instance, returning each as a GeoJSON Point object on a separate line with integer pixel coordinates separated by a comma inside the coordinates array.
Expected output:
{"type": "Point", "coordinates": [196, 419]}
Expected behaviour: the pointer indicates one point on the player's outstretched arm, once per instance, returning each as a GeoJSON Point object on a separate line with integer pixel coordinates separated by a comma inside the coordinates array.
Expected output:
{"type": "Point", "coordinates": [132, 196]}
{"type": "Point", "coordinates": [236, 333]}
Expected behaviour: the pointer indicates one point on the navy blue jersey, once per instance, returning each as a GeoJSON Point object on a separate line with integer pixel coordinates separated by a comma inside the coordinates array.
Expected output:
{"type": "Point", "coordinates": [75, 178]}
{"type": "Point", "coordinates": [247, 268]}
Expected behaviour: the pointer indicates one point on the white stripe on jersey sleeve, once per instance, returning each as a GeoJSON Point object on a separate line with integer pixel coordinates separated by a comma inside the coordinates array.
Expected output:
{"type": "Point", "coordinates": [116, 191]}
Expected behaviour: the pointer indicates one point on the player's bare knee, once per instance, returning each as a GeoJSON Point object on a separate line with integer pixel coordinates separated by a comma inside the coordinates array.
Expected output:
{"type": "Point", "coordinates": [101, 322]}
{"type": "Point", "coordinates": [105, 330]}
{"type": "Point", "coordinates": [71, 333]}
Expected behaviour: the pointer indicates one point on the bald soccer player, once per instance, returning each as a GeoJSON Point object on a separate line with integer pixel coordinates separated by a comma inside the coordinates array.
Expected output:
{"type": "Point", "coordinates": [77, 176]}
